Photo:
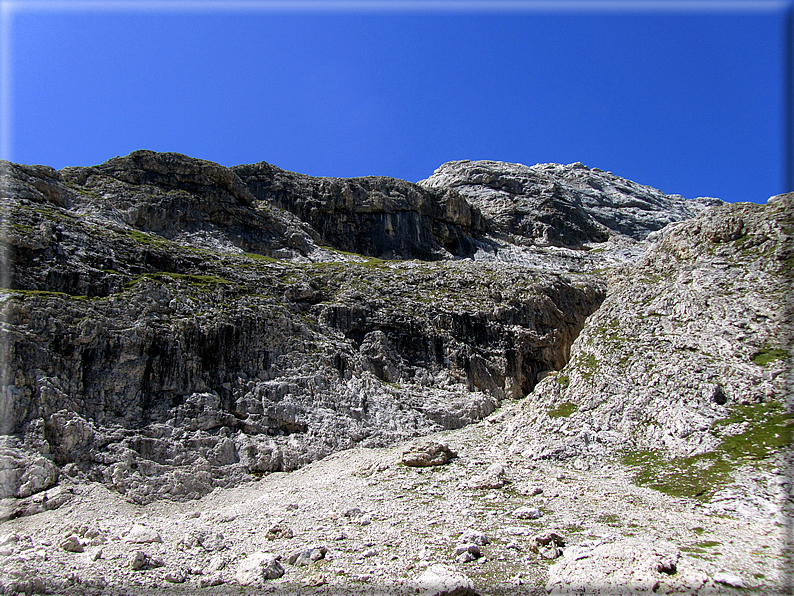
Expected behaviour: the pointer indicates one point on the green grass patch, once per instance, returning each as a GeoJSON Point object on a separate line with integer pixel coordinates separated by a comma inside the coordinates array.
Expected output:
{"type": "Point", "coordinates": [610, 519]}
{"type": "Point", "coordinates": [201, 281]}
{"type": "Point", "coordinates": [258, 257]}
{"type": "Point", "coordinates": [707, 544]}
{"type": "Point", "coordinates": [767, 355]}
{"type": "Point", "coordinates": [700, 476]}
{"type": "Point", "coordinates": [46, 294]}
{"type": "Point", "coordinates": [564, 410]}
{"type": "Point", "coordinates": [147, 239]}
{"type": "Point", "coordinates": [588, 366]}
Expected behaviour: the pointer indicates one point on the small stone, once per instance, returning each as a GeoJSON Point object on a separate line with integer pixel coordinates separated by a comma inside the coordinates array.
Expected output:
{"type": "Point", "coordinates": [10, 538]}
{"type": "Point", "coordinates": [474, 537]}
{"type": "Point", "coordinates": [369, 553]}
{"type": "Point", "coordinates": [278, 532]}
{"type": "Point", "coordinates": [307, 556]}
{"type": "Point", "coordinates": [139, 534]}
{"type": "Point", "coordinates": [216, 579]}
{"type": "Point", "coordinates": [257, 567]}
{"type": "Point", "coordinates": [137, 560]}
{"type": "Point", "coordinates": [465, 558]}
{"type": "Point", "coordinates": [213, 541]}
{"type": "Point", "coordinates": [548, 545]}
{"type": "Point", "coordinates": [528, 513]}
{"type": "Point", "coordinates": [176, 576]}
{"type": "Point", "coordinates": [72, 544]}
{"type": "Point", "coordinates": [438, 580]}
{"type": "Point", "coordinates": [427, 453]}
{"type": "Point", "coordinates": [729, 579]}
{"type": "Point", "coordinates": [314, 581]}
{"type": "Point", "coordinates": [468, 548]}
{"type": "Point", "coordinates": [217, 562]}
{"type": "Point", "coordinates": [494, 477]}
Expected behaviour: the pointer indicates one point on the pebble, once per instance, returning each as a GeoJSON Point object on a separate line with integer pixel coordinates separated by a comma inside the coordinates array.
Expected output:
{"type": "Point", "coordinates": [72, 544]}
{"type": "Point", "coordinates": [176, 576]}
{"type": "Point", "coordinates": [217, 562]}
{"type": "Point", "coordinates": [216, 579]}
{"type": "Point", "coordinates": [277, 532]}
{"type": "Point", "coordinates": [474, 537]}
{"type": "Point", "coordinates": [427, 453]}
{"type": "Point", "coordinates": [137, 560]}
{"type": "Point", "coordinates": [528, 513]}
{"type": "Point", "coordinates": [465, 558]}
{"type": "Point", "coordinates": [139, 534]}
{"type": "Point", "coordinates": [258, 566]}
{"type": "Point", "coordinates": [729, 579]}
{"type": "Point", "coordinates": [473, 549]}
{"type": "Point", "coordinates": [307, 556]}
{"type": "Point", "coordinates": [439, 579]}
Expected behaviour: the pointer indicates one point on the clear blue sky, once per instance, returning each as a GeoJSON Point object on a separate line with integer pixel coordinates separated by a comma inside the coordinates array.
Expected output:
{"type": "Point", "coordinates": [690, 100]}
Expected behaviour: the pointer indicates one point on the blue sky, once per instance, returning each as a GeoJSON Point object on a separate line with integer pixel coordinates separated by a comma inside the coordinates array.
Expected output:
{"type": "Point", "coordinates": [687, 97]}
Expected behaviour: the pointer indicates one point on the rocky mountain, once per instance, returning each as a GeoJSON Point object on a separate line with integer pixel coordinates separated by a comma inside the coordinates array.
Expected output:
{"type": "Point", "coordinates": [173, 327]}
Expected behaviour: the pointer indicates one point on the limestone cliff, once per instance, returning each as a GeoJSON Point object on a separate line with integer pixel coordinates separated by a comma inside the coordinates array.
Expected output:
{"type": "Point", "coordinates": [171, 325]}
{"type": "Point", "coordinates": [685, 370]}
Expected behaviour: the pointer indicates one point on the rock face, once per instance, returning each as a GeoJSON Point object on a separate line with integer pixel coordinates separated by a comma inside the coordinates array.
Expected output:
{"type": "Point", "coordinates": [172, 325]}
{"type": "Point", "coordinates": [552, 204]}
{"type": "Point", "coordinates": [374, 216]}
{"type": "Point", "coordinates": [687, 358]}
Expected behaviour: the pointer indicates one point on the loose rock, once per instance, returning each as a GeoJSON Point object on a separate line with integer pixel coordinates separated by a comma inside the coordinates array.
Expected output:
{"type": "Point", "coordinates": [257, 567]}
{"type": "Point", "coordinates": [72, 544]}
{"type": "Point", "coordinates": [307, 556]}
{"type": "Point", "coordinates": [142, 535]}
{"type": "Point", "coordinates": [528, 513]}
{"type": "Point", "coordinates": [427, 453]}
{"type": "Point", "coordinates": [440, 580]}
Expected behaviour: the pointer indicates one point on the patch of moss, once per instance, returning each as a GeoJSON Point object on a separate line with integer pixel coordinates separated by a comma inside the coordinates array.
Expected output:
{"type": "Point", "coordinates": [707, 544]}
{"type": "Point", "coordinates": [46, 294]}
{"type": "Point", "coordinates": [202, 281]}
{"type": "Point", "coordinates": [258, 257]}
{"type": "Point", "coordinates": [767, 355]}
{"type": "Point", "coordinates": [587, 366]}
{"type": "Point", "coordinates": [83, 190]}
{"type": "Point", "coordinates": [700, 476]}
{"type": "Point", "coordinates": [564, 410]}
{"type": "Point", "coordinates": [142, 238]}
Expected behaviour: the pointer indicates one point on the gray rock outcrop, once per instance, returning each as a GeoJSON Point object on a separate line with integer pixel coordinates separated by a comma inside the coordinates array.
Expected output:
{"type": "Point", "coordinates": [687, 359]}
{"type": "Point", "coordinates": [172, 325]}
{"type": "Point", "coordinates": [561, 205]}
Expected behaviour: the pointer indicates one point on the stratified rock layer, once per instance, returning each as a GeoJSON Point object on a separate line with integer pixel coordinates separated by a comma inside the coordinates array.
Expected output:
{"type": "Point", "coordinates": [172, 325]}
{"type": "Point", "coordinates": [553, 204]}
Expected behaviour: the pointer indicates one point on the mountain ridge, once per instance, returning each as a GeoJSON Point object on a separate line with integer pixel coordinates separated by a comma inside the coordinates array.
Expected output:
{"type": "Point", "coordinates": [173, 327]}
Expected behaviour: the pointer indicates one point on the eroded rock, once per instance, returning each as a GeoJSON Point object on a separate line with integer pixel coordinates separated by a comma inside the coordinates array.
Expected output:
{"type": "Point", "coordinates": [427, 453]}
